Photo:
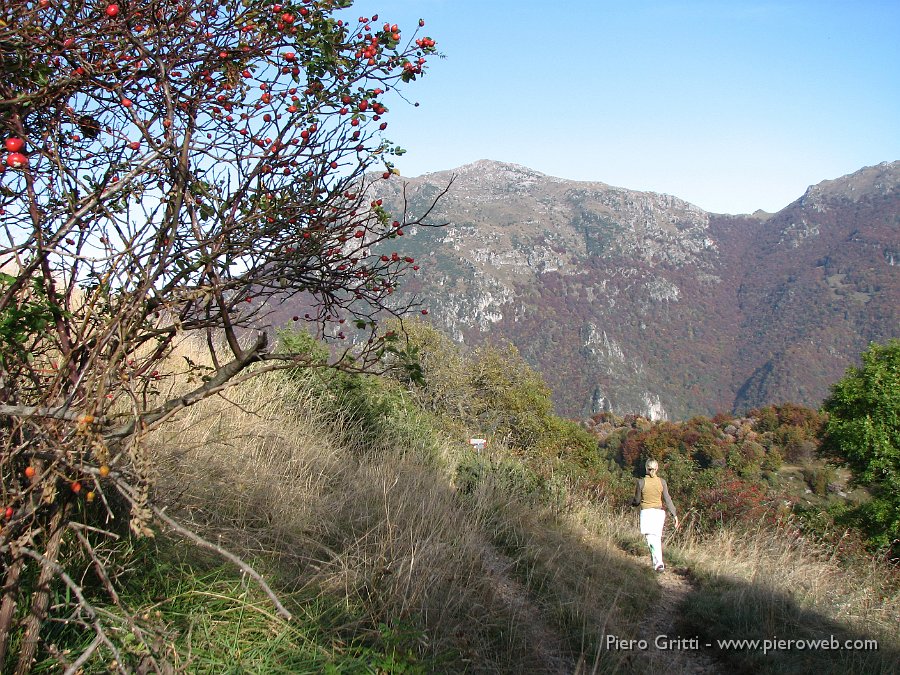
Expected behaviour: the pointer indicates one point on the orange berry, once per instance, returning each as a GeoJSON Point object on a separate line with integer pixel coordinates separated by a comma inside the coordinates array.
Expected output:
{"type": "Point", "coordinates": [29, 472]}
{"type": "Point", "coordinates": [76, 487]}
{"type": "Point", "coordinates": [104, 471]}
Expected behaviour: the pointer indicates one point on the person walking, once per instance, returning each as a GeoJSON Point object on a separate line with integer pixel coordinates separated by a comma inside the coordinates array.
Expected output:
{"type": "Point", "coordinates": [650, 494]}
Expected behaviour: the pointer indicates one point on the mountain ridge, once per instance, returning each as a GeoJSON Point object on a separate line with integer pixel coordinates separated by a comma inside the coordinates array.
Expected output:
{"type": "Point", "coordinates": [861, 181]}
{"type": "Point", "coordinates": [641, 302]}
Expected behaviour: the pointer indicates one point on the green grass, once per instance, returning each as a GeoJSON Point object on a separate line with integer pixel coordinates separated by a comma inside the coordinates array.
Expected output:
{"type": "Point", "coordinates": [203, 617]}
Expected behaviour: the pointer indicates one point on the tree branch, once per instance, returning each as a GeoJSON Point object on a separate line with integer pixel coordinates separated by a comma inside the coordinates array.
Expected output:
{"type": "Point", "coordinates": [219, 380]}
{"type": "Point", "coordinates": [244, 567]}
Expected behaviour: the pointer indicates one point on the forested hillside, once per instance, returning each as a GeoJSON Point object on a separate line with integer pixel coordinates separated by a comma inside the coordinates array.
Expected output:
{"type": "Point", "coordinates": [638, 302]}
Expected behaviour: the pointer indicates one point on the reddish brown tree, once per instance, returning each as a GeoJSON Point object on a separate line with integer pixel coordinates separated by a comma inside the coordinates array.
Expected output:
{"type": "Point", "coordinates": [170, 167]}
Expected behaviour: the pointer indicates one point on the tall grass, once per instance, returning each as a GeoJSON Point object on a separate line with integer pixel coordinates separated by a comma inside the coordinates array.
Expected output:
{"type": "Point", "coordinates": [379, 529]}
{"type": "Point", "coordinates": [382, 530]}
{"type": "Point", "coordinates": [768, 582]}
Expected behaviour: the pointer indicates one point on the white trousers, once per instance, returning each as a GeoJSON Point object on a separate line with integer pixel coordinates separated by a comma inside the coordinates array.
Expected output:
{"type": "Point", "coordinates": [652, 521]}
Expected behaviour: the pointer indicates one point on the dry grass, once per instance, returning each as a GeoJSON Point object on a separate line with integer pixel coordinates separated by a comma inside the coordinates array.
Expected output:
{"type": "Point", "coordinates": [386, 533]}
{"type": "Point", "coordinates": [784, 564]}
{"type": "Point", "coordinates": [759, 583]}
{"type": "Point", "coordinates": [383, 532]}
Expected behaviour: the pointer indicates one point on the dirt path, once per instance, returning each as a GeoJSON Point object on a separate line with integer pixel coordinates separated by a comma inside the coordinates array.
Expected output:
{"type": "Point", "coordinates": [683, 653]}
{"type": "Point", "coordinates": [546, 645]}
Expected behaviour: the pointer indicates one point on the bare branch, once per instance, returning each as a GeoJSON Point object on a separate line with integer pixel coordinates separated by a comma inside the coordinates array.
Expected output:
{"type": "Point", "coordinates": [85, 606]}
{"type": "Point", "coordinates": [220, 380]}
{"type": "Point", "coordinates": [228, 555]}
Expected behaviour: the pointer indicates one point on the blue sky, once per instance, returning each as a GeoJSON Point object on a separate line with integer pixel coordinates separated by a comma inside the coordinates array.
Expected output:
{"type": "Point", "coordinates": [734, 106]}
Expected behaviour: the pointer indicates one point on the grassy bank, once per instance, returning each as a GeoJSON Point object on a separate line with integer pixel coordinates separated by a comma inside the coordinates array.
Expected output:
{"type": "Point", "coordinates": [399, 548]}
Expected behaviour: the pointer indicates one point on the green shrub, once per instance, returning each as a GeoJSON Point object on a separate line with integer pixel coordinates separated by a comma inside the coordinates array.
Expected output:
{"type": "Point", "coordinates": [819, 477]}
{"type": "Point", "coordinates": [366, 411]}
{"type": "Point", "coordinates": [772, 459]}
{"type": "Point", "coordinates": [511, 478]}
{"type": "Point", "coordinates": [864, 427]}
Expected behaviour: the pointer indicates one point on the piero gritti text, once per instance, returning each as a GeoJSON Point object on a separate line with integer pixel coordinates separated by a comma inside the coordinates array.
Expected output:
{"type": "Point", "coordinates": [766, 645]}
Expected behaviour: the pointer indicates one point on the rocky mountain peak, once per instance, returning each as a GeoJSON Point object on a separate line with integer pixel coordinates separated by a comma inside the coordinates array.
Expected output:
{"type": "Point", "coordinates": [879, 180]}
{"type": "Point", "coordinates": [642, 302]}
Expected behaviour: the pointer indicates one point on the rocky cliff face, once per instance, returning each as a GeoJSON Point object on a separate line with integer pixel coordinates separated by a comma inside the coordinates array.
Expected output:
{"type": "Point", "coordinates": [641, 302]}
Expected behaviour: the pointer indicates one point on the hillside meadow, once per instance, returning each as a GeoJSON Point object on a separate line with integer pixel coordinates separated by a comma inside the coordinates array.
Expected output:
{"type": "Point", "coordinates": [398, 548]}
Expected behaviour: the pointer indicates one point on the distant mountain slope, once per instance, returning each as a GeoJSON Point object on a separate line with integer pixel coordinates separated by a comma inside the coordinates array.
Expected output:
{"type": "Point", "coordinates": [823, 281]}
{"type": "Point", "coordinates": [642, 302]}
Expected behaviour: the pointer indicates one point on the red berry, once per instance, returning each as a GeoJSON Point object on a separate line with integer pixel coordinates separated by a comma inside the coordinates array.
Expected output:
{"type": "Point", "coordinates": [16, 160]}
{"type": "Point", "coordinates": [14, 144]}
{"type": "Point", "coordinates": [76, 487]}
{"type": "Point", "coordinates": [112, 10]}
{"type": "Point", "coordinates": [9, 512]}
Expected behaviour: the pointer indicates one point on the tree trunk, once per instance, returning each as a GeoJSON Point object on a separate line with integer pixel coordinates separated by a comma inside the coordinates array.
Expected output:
{"type": "Point", "coordinates": [41, 601]}
{"type": "Point", "coordinates": [8, 606]}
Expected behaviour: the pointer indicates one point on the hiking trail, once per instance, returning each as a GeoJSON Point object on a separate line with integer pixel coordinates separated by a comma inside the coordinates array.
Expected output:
{"type": "Point", "coordinates": [684, 656]}
{"type": "Point", "coordinates": [547, 647]}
